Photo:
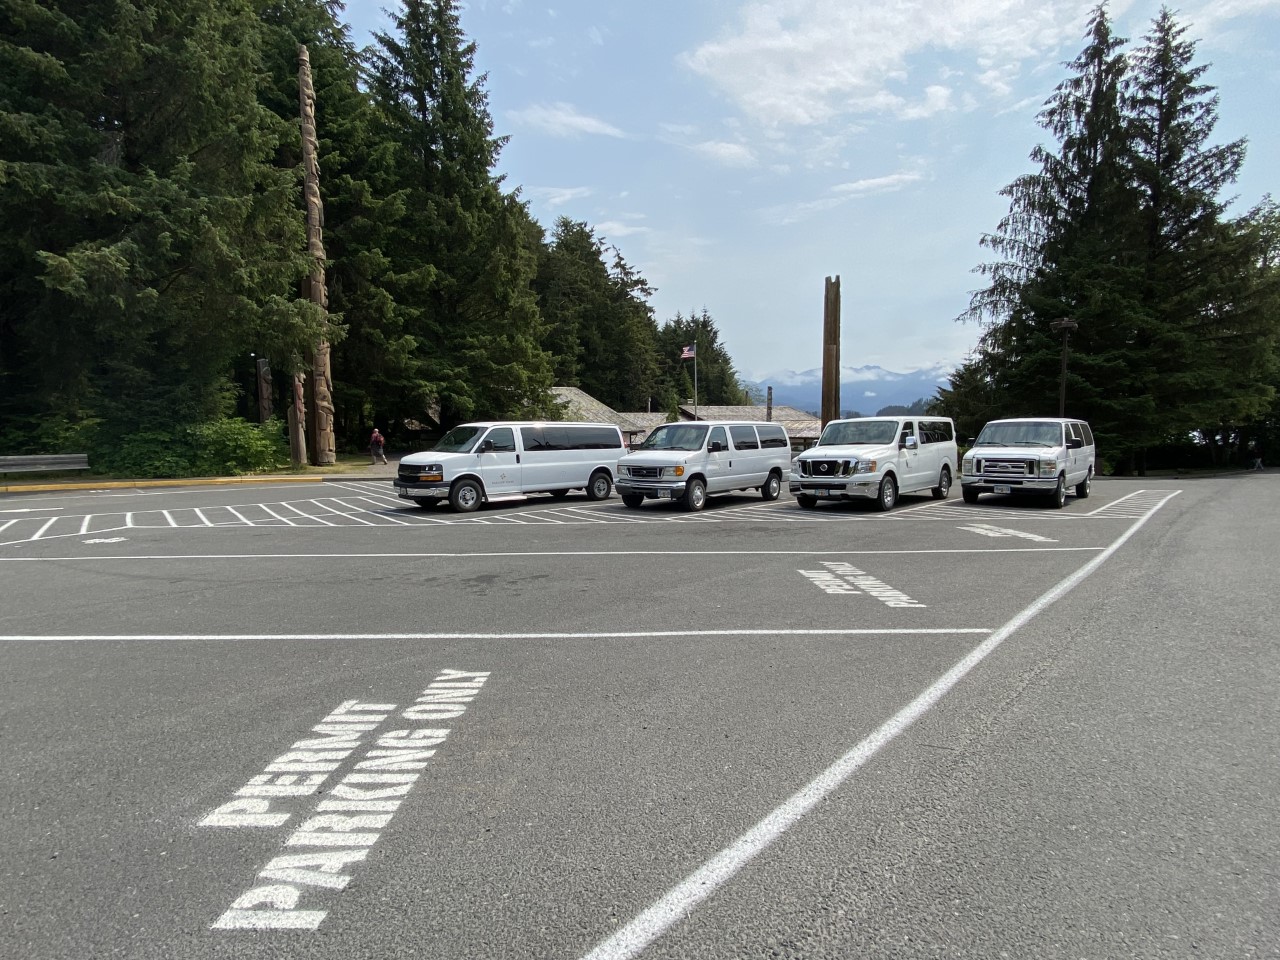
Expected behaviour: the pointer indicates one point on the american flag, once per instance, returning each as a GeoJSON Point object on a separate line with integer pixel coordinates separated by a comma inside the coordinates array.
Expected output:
{"type": "Point", "coordinates": [688, 352]}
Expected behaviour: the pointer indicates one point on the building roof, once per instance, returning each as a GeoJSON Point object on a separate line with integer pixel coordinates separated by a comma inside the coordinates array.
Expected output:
{"type": "Point", "coordinates": [580, 405]}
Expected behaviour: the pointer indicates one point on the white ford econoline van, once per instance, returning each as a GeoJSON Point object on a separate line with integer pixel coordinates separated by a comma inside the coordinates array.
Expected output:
{"type": "Point", "coordinates": [877, 458]}
{"type": "Point", "coordinates": [478, 462]}
{"type": "Point", "coordinates": [1043, 455]}
{"type": "Point", "coordinates": [689, 461]}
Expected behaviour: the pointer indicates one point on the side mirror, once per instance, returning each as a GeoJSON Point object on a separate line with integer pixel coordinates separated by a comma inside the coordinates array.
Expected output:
{"type": "Point", "coordinates": [911, 443]}
{"type": "Point", "coordinates": [715, 446]}
{"type": "Point", "coordinates": [486, 446]}
{"type": "Point", "coordinates": [1074, 443]}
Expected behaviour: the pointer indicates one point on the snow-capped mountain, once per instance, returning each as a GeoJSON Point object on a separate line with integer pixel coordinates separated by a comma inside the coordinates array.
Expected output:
{"type": "Point", "coordinates": [864, 389]}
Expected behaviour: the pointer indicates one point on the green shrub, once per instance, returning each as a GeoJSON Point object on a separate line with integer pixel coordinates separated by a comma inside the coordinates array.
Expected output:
{"type": "Point", "coordinates": [216, 449]}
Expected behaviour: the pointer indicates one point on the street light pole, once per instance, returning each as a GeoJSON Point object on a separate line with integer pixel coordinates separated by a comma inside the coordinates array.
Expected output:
{"type": "Point", "coordinates": [1066, 327]}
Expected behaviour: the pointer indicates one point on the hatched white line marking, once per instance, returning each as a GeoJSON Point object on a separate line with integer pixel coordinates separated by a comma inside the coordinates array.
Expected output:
{"type": "Point", "coordinates": [684, 897]}
{"type": "Point", "coordinates": [351, 511]}
{"type": "Point", "coordinates": [169, 516]}
{"type": "Point", "coordinates": [303, 513]}
{"type": "Point", "coordinates": [240, 516]}
{"type": "Point", "coordinates": [84, 527]}
{"type": "Point", "coordinates": [48, 523]}
{"type": "Point", "coordinates": [203, 519]}
{"type": "Point", "coordinates": [268, 510]}
{"type": "Point", "coordinates": [6, 525]}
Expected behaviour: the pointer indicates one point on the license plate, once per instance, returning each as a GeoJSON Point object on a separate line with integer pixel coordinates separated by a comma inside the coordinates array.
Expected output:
{"type": "Point", "coordinates": [1002, 488]}
{"type": "Point", "coordinates": [664, 494]}
{"type": "Point", "coordinates": [822, 493]}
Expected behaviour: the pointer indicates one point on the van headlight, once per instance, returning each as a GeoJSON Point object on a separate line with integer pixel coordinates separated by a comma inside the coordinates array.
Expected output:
{"type": "Point", "coordinates": [864, 466]}
{"type": "Point", "coordinates": [1048, 468]}
{"type": "Point", "coordinates": [432, 471]}
{"type": "Point", "coordinates": [966, 465]}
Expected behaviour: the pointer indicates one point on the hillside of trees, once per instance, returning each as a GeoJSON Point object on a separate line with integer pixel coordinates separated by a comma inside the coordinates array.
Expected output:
{"type": "Point", "coordinates": [1123, 228]}
{"type": "Point", "coordinates": [152, 241]}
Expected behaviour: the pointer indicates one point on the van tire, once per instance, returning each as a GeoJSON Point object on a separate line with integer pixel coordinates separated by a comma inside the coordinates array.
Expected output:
{"type": "Point", "coordinates": [426, 503]}
{"type": "Point", "coordinates": [599, 486]}
{"type": "Point", "coordinates": [1059, 495]}
{"type": "Point", "coordinates": [943, 489]}
{"type": "Point", "coordinates": [695, 494]}
{"type": "Point", "coordinates": [558, 494]}
{"type": "Point", "coordinates": [632, 499]}
{"type": "Point", "coordinates": [970, 495]}
{"type": "Point", "coordinates": [465, 496]}
{"type": "Point", "coordinates": [772, 487]}
{"type": "Point", "coordinates": [1084, 486]}
{"type": "Point", "coordinates": [806, 501]}
{"type": "Point", "coordinates": [888, 494]}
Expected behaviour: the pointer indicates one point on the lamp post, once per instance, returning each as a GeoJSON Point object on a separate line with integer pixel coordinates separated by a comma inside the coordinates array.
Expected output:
{"type": "Point", "coordinates": [1066, 327]}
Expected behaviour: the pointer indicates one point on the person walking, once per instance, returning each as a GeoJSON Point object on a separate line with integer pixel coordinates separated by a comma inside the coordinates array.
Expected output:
{"type": "Point", "coordinates": [378, 447]}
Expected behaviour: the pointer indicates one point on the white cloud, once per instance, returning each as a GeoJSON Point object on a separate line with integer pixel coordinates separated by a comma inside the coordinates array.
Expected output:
{"type": "Point", "coordinates": [842, 193]}
{"type": "Point", "coordinates": [872, 185]}
{"type": "Point", "coordinates": [802, 62]}
{"type": "Point", "coordinates": [563, 120]}
{"type": "Point", "coordinates": [616, 228]}
{"type": "Point", "coordinates": [729, 154]}
{"type": "Point", "coordinates": [555, 197]}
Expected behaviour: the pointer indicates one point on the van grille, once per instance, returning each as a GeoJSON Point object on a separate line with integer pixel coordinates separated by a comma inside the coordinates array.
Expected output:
{"type": "Point", "coordinates": [1008, 467]}
{"type": "Point", "coordinates": [824, 468]}
{"type": "Point", "coordinates": [645, 473]}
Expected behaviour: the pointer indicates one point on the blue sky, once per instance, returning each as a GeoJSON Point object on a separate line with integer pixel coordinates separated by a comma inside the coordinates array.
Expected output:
{"type": "Point", "coordinates": [737, 152]}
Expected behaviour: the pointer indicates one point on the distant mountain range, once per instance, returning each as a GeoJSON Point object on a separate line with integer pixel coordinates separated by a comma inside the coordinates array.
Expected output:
{"type": "Point", "coordinates": [866, 390]}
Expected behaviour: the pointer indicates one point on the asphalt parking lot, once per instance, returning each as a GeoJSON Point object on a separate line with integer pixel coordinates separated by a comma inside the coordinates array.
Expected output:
{"type": "Point", "coordinates": [315, 720]}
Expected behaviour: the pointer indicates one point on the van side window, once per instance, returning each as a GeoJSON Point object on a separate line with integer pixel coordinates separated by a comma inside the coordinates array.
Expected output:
{"type": "Point", "coordinates": [1073, 432]}
{"type": "Point", "coordinates": [936, 431]}
{"type": "Point", "coordinates": [717, 433]}
{"type": "Point", "coordinates": [1087, 433]}
{"type": "Point", "coordinates": [504, 439]}
{"type": "Point", "coordinates": [533, 438]}
{"type": "Point", "coordinates": [908, 430]}
{"type": "Point", "coordinates": [744, 438]}
{"type": "Point", "coordinates": [772, 436]}
{"type": "Point", "coordinates": [593, 438]}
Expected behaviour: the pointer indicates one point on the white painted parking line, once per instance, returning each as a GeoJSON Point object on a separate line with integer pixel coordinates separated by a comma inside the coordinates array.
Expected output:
{"type": "Point", "coordinates": [47, 524]}
{"type": "Point", "coordinates": [203, 519]}
{"type": "Point", "coordinates": [684, 897]}
{"type": "Point", "coordinates": [267, 509]}
{"type": "Point", "coordinates": [583, 635]}
{"type": "Point", "coordinates": [987, 530]}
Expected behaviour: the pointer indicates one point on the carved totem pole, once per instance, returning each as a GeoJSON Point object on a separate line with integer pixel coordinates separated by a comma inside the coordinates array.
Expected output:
{"type": "Point", "coordinates": [319, 392]}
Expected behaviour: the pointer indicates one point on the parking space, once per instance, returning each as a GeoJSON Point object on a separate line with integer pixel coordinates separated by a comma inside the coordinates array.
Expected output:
{"type": "Point", "coordinates": [258, 722]}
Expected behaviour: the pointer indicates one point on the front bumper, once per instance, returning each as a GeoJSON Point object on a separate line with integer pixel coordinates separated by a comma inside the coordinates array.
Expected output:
{"type": "Point", "coordinates": [427, 489]}
{"type": "Point", "coordinates": [866, 487]}
{"type": "Point", "coordinates": [651, 489]}
{"type": "Point", "coordinates": [986, 484]}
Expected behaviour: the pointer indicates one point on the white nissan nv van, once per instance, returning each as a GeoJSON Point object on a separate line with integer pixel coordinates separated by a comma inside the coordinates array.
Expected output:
{"type": "Point", "coordinates": [692, 460]}
{"type": "Point", "coordinates": [478, 462]}
{"type": "Point", "coordinates": [877, 458]}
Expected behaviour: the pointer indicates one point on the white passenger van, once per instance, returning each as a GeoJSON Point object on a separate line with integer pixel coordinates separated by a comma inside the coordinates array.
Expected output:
{"type": "Point", "coordinates": [484, 462]}
{"type": "Point", "coordinates": [1041, 455]}
{"type": "Point", "coordinates": [877, 458]}
{"type": "Point", "coordinates": [689, 461]}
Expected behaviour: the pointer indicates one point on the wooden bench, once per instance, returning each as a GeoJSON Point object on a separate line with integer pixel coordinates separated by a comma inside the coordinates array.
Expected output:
{"type": "Point", "coordinates": [44, 463]}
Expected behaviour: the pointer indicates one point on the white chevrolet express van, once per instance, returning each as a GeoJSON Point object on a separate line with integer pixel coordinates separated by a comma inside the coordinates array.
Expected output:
{"type": "Point", "coordinates": [690, 461]}
{"type": "Point", "coordinates": [877, 458]}
{"type": "Point", "coordinates": [1042, 455]}
{"type": "Point", "coordinates": [478, 462]}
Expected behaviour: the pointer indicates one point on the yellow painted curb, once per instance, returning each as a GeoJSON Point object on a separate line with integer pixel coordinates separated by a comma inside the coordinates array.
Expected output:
{"type": "Point", "coordinates": [133, 484]}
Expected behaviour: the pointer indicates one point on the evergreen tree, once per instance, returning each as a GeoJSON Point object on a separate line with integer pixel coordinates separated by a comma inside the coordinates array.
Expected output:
{"type": "Point", "coordinates": [462, 253]}
{"type": "Point", "coordinates": [157, 236]}
{"type": "Point", "coordinates": [1210, 345]}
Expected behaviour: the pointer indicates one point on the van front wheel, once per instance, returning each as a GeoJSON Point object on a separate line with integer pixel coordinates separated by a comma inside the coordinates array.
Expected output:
{"type": "Point", "coordinates": [806, 501]}
{"type": "Point", "coordinates": [772, 487]}
{"type": "Point", "coordinates": [1083, 488]}
{"type": "Point", "coordinates": [465, 496]}
{"type": "Point", "coordinates": [599, 486]}
{"type": "Point", "coordinates": [888, 493]}
{"type": "Point", "coordinates": [632, 500]}
{"type": "Point", "coordinates": [1059, 493]}
{"type": "Point", "coordinates": [695, 495]}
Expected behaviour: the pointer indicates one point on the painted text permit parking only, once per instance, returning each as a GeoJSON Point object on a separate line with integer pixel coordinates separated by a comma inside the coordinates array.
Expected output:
{"type": "Point", "coordinates": [337, 832]}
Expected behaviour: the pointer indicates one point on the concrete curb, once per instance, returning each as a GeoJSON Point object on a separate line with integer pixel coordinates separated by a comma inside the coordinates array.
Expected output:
{"type": "Point", "coordinates": [185, 482]}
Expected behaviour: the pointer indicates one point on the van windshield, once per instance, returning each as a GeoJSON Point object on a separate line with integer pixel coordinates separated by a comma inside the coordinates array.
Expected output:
{"type": "Point", "coordinates": [676, 436]}
{"type": "Point", "coordinates": [859, 431]}
{"type": "Point", "coordinates": [1020, 434]}
{"type": "Point", "coordinates": [459, 440]}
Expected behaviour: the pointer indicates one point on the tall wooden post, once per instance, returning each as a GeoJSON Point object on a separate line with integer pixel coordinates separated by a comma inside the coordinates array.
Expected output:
{"type": "Point", "coordinates": [319, 394]}
{"type": "Point", "coordinates": [266, 395]}
{"type": "Point", "coordinates": [831, 351]}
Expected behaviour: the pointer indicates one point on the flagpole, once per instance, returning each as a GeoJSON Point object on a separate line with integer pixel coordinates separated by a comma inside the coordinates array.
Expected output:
{"type": "Point", "coordinates": [695, 378]}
